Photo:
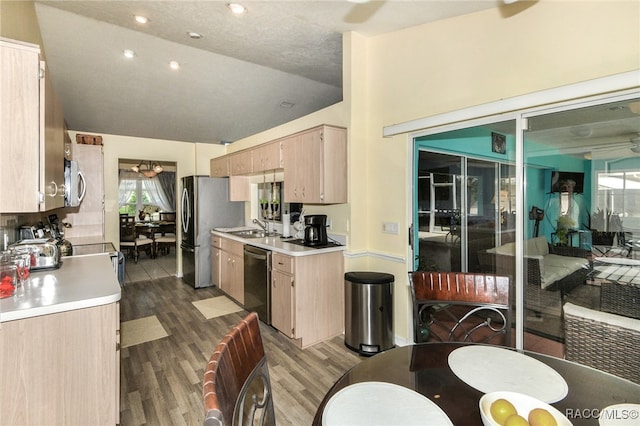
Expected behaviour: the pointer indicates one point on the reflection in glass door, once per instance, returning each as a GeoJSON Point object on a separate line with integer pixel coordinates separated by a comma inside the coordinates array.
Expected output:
{"type": "Point", "coordinates": [457, 221]}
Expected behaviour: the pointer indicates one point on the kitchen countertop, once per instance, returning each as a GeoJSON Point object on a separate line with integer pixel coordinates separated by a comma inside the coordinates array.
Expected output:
{"type": "Point", "coordinates": [81, 282]}
{"type": "Point", "coordinates": [279, 244]}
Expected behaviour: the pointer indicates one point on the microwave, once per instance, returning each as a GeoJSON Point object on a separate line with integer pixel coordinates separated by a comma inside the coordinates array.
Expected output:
{"type": "Point", "coordinates": [74, 184]}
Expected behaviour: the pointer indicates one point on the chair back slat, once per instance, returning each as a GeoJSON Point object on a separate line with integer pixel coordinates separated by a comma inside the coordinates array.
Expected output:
{"type": "Point", "coordinates": [236, 387]}
{"type": "Point", "coordinates": [459, 286]}
{"type": "Point", "coordinates": [460, 306]}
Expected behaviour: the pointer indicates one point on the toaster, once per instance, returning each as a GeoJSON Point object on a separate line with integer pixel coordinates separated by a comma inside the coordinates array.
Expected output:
{"type": "Point", "coordinates": [45, 252]}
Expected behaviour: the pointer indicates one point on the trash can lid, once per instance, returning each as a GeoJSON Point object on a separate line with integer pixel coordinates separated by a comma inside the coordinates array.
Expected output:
{"type": "Point", "coordinates": [369, 277]}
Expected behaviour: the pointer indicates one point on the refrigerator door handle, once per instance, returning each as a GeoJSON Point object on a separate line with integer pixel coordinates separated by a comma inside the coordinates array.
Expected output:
{"type": "Point", "coordinates": [186, 212]}
{"type": "Point", "coordinates": [189, 249]}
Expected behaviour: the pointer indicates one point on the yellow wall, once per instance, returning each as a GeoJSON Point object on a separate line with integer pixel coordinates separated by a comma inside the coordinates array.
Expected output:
{"type": "Point", "coordinates": [18, 21]}
{"type": "Point", "coordinates": [117, 147]}
{"type": "Point", "coordinates": [466, 61]}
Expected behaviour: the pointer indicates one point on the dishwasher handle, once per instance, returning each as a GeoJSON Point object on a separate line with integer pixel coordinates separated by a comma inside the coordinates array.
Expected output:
{"type": "Point", "coordinates": [258, 254]}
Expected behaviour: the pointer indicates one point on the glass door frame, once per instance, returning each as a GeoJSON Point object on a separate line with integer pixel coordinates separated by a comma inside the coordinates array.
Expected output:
{"type": "Point", "coordinates": [520, 118]}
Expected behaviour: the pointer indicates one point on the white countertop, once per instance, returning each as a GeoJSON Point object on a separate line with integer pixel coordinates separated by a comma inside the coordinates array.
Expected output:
{"type": "Point", "coordinates": [278, 244]}
{"type": "Point", "coordinates": [81, 282]}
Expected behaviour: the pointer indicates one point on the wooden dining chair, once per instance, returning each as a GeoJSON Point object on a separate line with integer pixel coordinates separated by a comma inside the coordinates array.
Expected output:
{"type": "Point", "coordinates": [236, 387]}
{"type": "Point", "coordinates": [460, 306]}
{"type": "Point", "coordinates": [130, 240]}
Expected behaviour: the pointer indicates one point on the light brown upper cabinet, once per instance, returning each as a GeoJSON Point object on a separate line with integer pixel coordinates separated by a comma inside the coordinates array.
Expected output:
{"type": "Point", "coordinates": [219, 166]}
{"type": "Point", "coordinates": [315, 166]}
{"type": "Point", "coordinates": [31, 131]}
{"type": "Point", "coordinates": [267, 156]}
{"type": "Point", "coordinates": [240, 163]}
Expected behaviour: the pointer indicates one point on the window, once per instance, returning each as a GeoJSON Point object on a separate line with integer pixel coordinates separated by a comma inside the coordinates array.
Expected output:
{"type": "Point", "coordinates": [138, 193]}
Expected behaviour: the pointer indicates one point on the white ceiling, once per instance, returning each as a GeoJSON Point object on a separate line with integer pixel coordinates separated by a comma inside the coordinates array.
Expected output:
{"type": "Point", "coordinates": [231, 82]}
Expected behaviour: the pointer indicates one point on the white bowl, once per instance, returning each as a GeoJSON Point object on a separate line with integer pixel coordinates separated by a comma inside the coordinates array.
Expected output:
{"type": "Point", "coordinates": [523, 403]}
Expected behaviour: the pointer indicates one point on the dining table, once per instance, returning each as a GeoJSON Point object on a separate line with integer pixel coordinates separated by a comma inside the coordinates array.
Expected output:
{"type": "Point", "coordinates": [150, 229]}
{"type": "Point", "coordinates": [454, 376]}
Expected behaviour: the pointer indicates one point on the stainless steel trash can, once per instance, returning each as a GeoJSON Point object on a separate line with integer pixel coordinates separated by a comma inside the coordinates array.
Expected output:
{"type": "Point", "coordinates": [368, 308]}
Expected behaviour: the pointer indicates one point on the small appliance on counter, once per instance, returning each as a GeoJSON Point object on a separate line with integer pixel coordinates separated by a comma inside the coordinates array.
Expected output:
{"type": "Point", "coordinates": [315, 231]}
{"type": "Point", "coordinates": [45, 252]}
{"type": "Point", "coordinates": [66, 249]}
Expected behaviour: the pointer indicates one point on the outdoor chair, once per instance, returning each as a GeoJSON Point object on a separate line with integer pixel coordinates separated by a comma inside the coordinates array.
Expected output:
{"type": "Point", "coordinates": [604, 341]}
{"type": "Point", "coordinates": [459, 306]}
{"type": "Point", "coordinates": [236, 388]}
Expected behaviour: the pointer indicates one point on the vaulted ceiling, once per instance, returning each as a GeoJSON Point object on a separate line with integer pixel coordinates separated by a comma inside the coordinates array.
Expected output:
{"type": "Point", "coordinates": [279, 61]}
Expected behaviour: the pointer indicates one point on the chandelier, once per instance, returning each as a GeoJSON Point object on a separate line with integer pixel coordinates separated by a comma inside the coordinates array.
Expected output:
{"type": "Point", "coordinates": [149, 169]}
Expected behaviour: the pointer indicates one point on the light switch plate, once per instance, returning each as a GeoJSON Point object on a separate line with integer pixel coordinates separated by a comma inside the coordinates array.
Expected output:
{"type": "Point", "coordinates": [390, 228]}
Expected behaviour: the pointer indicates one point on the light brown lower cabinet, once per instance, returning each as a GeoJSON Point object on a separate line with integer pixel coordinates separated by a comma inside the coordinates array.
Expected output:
{"type": "Point", "coordinates": [62, 368]}
{"type": "Point", "coordinates": [230, 267]}
{"type": "Point", "coordinates": [307, 296]}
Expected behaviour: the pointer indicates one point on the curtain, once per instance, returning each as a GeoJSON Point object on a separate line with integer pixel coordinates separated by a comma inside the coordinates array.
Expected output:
{"type": "Point", "coordinates": [161, 189]}
{"type": "Point", "coordinates": [127, 186]}
{"type": "Point", "coordinates": [167, 181]}
{"type": "Point", "coordinates": [157, 195]}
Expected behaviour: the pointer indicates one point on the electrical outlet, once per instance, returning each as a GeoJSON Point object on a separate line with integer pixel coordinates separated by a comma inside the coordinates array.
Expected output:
{"type": "Point", "coordinates": [390, 228]}
{"type": "Point", "coordinates": [328, 223]}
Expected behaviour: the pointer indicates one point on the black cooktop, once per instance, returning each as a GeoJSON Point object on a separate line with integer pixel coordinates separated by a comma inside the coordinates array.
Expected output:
{"type": "Point", "coordinates": [302, 243]}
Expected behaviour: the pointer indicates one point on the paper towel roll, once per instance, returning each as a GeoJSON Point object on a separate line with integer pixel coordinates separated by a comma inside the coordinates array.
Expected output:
{"type": "Point", "coordinates": [286, 222]}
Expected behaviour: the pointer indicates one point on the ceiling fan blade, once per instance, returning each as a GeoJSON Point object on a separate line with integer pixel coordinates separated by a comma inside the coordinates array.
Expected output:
{"type": "Point", "coordinates": [362, 12]}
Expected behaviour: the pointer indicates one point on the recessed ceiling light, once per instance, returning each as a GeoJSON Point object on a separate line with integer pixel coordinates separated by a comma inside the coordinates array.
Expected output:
{"type": "Point", "coordinates": [141, 19]}
{"type": "Point", "coordinates": [194, 35]}
{"type": "Point", "coordinates": [174, 65]}
{"type": "Point", "coordinates": [128, 53]}
{"type": "Point", "coordinates": [237, 8]}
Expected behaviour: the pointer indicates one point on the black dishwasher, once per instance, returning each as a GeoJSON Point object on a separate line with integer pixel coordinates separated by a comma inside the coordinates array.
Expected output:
{"type": "Point", "coordinates": [257, 282]}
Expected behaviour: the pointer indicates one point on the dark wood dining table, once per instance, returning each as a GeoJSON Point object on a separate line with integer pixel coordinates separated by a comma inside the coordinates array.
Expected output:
{"type": "Point", "coordinates": [425, 369]}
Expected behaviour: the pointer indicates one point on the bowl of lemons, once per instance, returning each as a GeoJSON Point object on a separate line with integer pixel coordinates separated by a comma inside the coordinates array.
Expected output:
{"type": "Point", "coordinates": [518, 409]}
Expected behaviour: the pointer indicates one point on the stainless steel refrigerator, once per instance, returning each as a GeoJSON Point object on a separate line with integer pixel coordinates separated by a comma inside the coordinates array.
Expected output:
{"type": "Point", "coordinates": [205, 205]}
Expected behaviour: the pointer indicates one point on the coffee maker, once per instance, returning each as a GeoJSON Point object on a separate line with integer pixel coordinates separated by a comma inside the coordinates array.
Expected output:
{"type": "Point", "coordinates": [315, 231]}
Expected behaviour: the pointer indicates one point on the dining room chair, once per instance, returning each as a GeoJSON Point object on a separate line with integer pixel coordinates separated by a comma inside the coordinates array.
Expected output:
{"type": "Point", "coordinates": [461, 306]}
{"type": "Point", "coordinates": [165, 237]}
{"type": "Point", "coordinates": [602, 340]}
{"type": "Point", "coordinates": [130, 240]}
{"type": "Point", "coordinates": [236, 387]}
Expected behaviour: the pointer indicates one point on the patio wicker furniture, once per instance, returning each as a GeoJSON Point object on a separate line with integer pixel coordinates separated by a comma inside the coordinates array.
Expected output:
{"type": "Point", "coordinates": [602, 340]}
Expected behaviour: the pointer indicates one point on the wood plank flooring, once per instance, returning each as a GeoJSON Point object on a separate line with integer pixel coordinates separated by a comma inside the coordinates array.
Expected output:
{"type": "Point", "coordinates": [161, 380]}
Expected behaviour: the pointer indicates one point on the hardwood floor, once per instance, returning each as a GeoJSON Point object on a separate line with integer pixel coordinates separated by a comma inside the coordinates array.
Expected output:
{"type": "Point", "coordinates": [161, 380]}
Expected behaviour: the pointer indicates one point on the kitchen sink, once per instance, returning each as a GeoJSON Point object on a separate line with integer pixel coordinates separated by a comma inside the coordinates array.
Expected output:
{"type": "Point", "coordinates": [252, 233]}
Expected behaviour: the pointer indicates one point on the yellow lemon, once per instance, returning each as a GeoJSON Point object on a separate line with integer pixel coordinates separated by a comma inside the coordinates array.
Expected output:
{"type": "Point", "coordinates": [541, 417]}
{"type": "Point", "coordinates": [516, 420]}
{"type": "Point", "coordinates": [501, 409]}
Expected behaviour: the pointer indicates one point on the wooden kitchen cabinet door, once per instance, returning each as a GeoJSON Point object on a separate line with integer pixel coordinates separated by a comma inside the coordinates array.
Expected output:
{"type": "Point", "coordinates": [19, 126]}
{"type": "Point", "coordinates": [232, 269]}
{"type": "Point", "coordinates": [267, 157]}
{"type": "Point", "coordinates": [52, 147]}
{"type": "Point", "coordinates": [240, 163]}
{"type": "Point", "coordinates": [283, 302]}
{"type": "Point", "coordinates": [215, 266]}
{"type": "Point", "coordinates": [219, 167]}
{"type": "Point", "coordinates": [315, 166]}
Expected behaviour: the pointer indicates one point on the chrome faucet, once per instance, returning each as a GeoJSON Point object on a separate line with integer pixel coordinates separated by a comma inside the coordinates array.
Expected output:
{"type": "Point", "coordinates": [264, 225]}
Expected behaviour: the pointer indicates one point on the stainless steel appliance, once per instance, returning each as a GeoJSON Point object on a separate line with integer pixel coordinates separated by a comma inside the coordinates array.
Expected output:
{"type": "Point", "coordinates": [204, 205]}
{"type": "Point", "coordinates": [257, 282]}
{"type": "Point", "coordinates": [45, 252]}
{"type": "Point", "coordinates": [75, 185]}
{"type": "Point", "coordinates": [315, 231]}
